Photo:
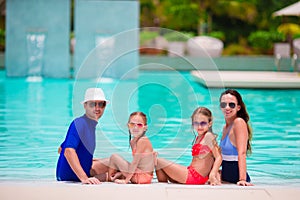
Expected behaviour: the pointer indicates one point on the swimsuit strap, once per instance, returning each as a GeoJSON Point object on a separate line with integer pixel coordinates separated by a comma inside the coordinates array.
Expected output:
{"type": "Point", "coordinates": [229, 129]}
{"type": "Point", "coordinates": [202, 137]}
{"type": "Point", "coordinates": [133, 150]}
{"type": "Point", "coordinates": [155, 154]}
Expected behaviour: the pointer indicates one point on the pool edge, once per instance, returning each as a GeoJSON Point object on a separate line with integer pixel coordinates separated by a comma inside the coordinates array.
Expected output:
{"type": "Point", "coordinates": [60, 190]}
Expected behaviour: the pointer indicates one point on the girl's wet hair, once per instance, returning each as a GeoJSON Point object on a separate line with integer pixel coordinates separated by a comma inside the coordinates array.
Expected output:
{"type": "Point", "coordinates": [242, 113]}
{"type": "Point", "coordinates": [144, 117]}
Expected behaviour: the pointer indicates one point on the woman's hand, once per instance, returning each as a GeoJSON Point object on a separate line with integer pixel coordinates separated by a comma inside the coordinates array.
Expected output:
{"type": "Point", "coordinates": [244, 183]}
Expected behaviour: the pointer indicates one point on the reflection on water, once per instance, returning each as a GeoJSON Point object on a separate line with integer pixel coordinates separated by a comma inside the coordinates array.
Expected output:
{"type": "Point", "coordinates": [35, 51]}
{"type": "Point", "coordinates": [34, 119]}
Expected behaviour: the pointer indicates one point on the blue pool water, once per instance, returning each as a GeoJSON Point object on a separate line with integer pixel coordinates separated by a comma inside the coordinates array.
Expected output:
{"type": "Point", "coordinates": [34, 118]}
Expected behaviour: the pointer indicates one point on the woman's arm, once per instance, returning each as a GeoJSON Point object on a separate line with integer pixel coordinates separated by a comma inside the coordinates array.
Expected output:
{"type": "Point", "coordinates": [240, 132]}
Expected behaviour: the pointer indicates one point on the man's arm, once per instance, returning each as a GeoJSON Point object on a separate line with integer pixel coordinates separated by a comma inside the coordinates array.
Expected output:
{"type": "Point", "coordinates": [74, 163]}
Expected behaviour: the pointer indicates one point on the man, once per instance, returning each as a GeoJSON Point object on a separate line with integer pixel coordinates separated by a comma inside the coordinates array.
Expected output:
{"type": "Point", "coordinates": [75, 162]}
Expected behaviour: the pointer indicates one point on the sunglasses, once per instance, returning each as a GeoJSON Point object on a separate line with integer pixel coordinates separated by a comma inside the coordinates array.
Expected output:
{"type": "Point", "coordinates": [196, 124]}
{"type": "Point", "coordinates": [138, 125]}
{"type": "Point", "coordinates": [224, 104]}
{"type": "Point", "coordinates": [101, 104]}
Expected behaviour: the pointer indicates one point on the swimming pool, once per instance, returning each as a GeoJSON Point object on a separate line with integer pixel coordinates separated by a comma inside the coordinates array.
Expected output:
{"type": "Point", "coordinates": [34, 117]}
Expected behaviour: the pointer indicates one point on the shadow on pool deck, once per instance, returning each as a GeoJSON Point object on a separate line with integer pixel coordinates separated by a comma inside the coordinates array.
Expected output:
{"type": "Point", "coordinates": [60, 190]}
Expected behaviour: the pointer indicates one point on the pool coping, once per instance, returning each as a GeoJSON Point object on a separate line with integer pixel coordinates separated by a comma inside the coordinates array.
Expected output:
{"type": "Point", "coordinates": [247, 79]}
{"type": "Point", "coordinates": [62, 190]}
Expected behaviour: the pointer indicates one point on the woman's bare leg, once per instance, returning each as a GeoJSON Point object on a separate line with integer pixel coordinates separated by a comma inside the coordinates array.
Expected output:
{"type": "Point", "coordinates": [167, 170]}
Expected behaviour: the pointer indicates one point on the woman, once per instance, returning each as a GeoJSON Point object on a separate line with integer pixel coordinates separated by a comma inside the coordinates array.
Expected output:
{"type": "Point", "coordinates": [236, 137]}
{"type": "Point", "coordinates": [206, 156]}
{"type": "Point", "coordinates": [140, 170]}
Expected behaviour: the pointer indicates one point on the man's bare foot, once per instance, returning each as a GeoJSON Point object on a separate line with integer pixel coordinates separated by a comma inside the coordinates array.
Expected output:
{"type": "Point", "coordinates": [102, 177]}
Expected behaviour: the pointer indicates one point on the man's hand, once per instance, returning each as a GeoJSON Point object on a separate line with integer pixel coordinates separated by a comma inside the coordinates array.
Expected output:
{"type": "Point", "coordinates": [59, 149]}
{"type": "Point", "coordinates": [91, 180]}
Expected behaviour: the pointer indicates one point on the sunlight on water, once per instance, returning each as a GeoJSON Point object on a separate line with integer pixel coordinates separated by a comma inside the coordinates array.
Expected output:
{"type": "Point", "coordinates": [34, 118]}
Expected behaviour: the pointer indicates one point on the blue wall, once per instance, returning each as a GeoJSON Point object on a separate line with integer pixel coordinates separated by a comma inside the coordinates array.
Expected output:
{"type": "Point", "coordinates": [117, 56]}
{"type": "Point", "coordinates": [48, 17]}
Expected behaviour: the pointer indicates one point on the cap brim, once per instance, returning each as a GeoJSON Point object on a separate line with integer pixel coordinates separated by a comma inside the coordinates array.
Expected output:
{"type": "Point", "coordinates": [107, 102]}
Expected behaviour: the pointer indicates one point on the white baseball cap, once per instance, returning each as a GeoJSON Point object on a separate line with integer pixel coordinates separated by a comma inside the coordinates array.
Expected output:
{"type": "Point", "coordinates": [94, 94]}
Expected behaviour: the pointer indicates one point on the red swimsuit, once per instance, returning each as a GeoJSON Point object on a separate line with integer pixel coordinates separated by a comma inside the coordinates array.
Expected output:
{"type": "Point", "coordinates": [193, 176]}
{"type": "Point", "coordinates": [140, 177]}
{"type": "Point", "coordinates": [199, 149]}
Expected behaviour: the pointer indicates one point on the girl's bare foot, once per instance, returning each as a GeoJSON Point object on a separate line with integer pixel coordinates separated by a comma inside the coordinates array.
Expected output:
{"type": "Point", "coordinates": [115, 176]}
{"type": "Point", "coordinates": [120, 181]}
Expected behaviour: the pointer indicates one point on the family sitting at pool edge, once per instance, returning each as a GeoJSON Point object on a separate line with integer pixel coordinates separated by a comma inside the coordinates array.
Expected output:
{"type": "Point", "coordinates": [76, 161]}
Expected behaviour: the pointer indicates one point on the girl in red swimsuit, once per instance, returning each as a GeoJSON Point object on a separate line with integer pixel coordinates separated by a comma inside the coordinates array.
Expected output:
{"type": "Point", "coordinates": [206, 156]}
{"type": "Point", "coordinates": [140, 170]}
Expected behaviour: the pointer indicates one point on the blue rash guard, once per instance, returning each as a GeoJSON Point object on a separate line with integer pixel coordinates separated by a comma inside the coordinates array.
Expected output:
{"type": "Point", "coordinates": [81, 137]}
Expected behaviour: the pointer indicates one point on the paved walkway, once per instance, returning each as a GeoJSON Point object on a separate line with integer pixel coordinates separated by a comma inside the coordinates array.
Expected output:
{"type": "Point", "coordinates": [248, 79]}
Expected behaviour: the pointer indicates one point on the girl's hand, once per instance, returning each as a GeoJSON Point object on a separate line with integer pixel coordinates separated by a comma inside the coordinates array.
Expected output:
{"type": "Point", "coordinates": [120, 181]}
{"type": "Point", "coordinates": [213, 180]}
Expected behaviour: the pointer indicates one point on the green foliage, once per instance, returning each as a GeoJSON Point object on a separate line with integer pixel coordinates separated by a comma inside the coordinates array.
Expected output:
{"type": "Point", "coordinates": [277, 36]}
{"type": "Point", "coordinates": [175, 36]}
{"type": "Point", "coordinates": [180, 15]}
{"type": "Point", "coordinates": [237, 19]}
{"type": "Point", "coordinates": [242, 10]}
{"type": "Point", "coordinates": [146, 36]}
{"type": "Point", "coordinates": [217, 34]}
{"type": "Point", "coordinates": [2, 37]}
{"type": "Point", "coordinates": [72, 35]}
{"type": "Point", "coordinates": [237, 49]}
{"type": "Point", "coordinates": [289, 29]}
{"type": "Point", "coordinates": [260, 39]}
{"type": "Point", "coordinates": [264, 39]}
{"type": "Point", "coordinates": [296, 36]}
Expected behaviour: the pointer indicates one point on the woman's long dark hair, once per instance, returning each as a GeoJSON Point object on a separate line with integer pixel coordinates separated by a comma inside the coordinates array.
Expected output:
{"type": "Point", "coordinates": [242, 113]}
{"type": "Point", "coordinates": [144, 117]}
